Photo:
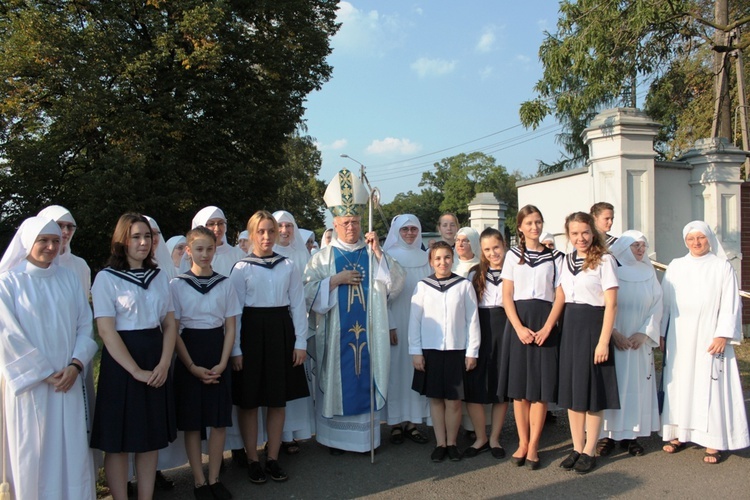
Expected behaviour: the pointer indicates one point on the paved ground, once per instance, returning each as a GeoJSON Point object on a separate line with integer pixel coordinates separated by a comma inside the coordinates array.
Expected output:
{"type": "Point", "coordinates": [405, 471]}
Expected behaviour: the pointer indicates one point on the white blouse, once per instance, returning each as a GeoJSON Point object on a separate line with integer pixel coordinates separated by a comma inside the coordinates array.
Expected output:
{"type": "Point", "coordinates": [133, 307]}
{"type": "Point", "coordinates": [588, 286]}
{"type": "Point", "coordinates": [203, 311]}
{"type": "Point", "coordinates": [537, 278]}
{"type": "Point", "coordinates": [493, 293]}
{"type": "Point", "coordinates": [446, 320]}
{"type": "Point", "coordinates": [259, 286]}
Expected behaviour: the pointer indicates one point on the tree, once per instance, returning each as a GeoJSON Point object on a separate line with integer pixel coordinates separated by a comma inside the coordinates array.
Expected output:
{"type": "Point", "coordinates": [603, 48]}
{"type": "Point", "coordinates": [459, 178]}
{"type": "Point", "coordinates": [425, 205]}
{"type": "Point", "coordinates": [151, 105]}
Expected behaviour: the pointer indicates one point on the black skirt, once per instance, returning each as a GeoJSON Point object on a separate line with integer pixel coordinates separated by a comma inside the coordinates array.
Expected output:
{"type": "Point", "coordinates": [130, 416]}
{"type": "Point", "coordinates": [585, 386]}
{"type": "Point", "coordinates": [202, 405]}
{"type": "Point", "coordinates": [443, 375]}
{"type": "Point", "coordinates": [481, 383]}
{"type": "Point", "coordinates": [529, 371]}
{"type": "Point", "coordinates": [267, 377]}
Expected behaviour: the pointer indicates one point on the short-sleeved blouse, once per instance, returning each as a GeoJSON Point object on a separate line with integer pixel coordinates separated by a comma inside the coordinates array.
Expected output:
{"type": "Point", "coordinates": [537, 277]}
{"type": "Point", "coordinates": [588, 286]}
{"type": "Point", "coordinates": [197, 310]}
{"type": "Point", "coordinates": [132, 306]}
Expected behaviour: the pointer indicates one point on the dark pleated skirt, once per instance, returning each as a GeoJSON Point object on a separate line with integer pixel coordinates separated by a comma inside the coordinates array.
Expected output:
{"type": "Point", "coordinates": [529, 371]}
{"type": "Point", "coordinates": [130, 416]}
{"type": "Point", "coordinates": [585, 386]}
{"type": "Point", "coordinates": [443, 375]}
{"type": "Point", "coordinates": [267, 377]}
{"type": "Point", "coordinates": [481, 383]}
{"type": "Point", "coordinates": [202, 405]}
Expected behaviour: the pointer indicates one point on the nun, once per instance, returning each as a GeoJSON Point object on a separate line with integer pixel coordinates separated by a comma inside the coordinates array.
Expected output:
{"type": "Point", "coordinates": [226, 255]}
{"type": "Point", "coordinates": [636, 333]}
{"type": "Point", "coordinates": [47, 340]}
{"type": "Point", "coordinates": [300, 413]}
{"type": "Point", "coordinates": [467, 251]}
{"type": "Point", "coordinates": [243, 242]}
{"type": "Point", "coordinates": [162, 255]}
{"type": "Point", "coordinates": [703, 401]}
{"type": "Point", "coordinates": [176, 247]}
{"type": "Point", "coordinates": [405, 406]}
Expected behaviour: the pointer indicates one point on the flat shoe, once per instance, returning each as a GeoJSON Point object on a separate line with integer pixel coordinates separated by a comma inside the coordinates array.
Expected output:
{"type": "Point", "coordinates": [585, 464]}
{"type": "Point", "coordinates": [454, 454]}
{"type": "Point", "coordinates": [673, 448]}
{"type": "Point", "coordinates": [438, 454]}
{"type": "Point", "coordinates": [716, 455]}
{"type": "Point", "coordinates": [532, 464]}
{"type": "Point", "coordinates": [274, 470]}
{"type": "Point", "coordinates": [472, 452]}
{"type": "Point", "coordinates": [416, 436]}
{"type": "Point", "coordinates": [518, 461]}
{"type": "Point", "coordinates": [498, 452]}
{"type": "Point", "coordinates": [635, 448]}
{"type": "Point", "coordinates": [203, 493]}
{"type": "Point", "coordinates": [220, 491]}
{"type": "Point", "coordinates": [605, 446]}
{"type": "Point", "coordinates": [291, 447]}
{"type": "Point", "coordinates": [255, 473]}
{"type": "Point", "coordinates": [570, 462]}
{"type": "Point", "coordinates": [397, 435]}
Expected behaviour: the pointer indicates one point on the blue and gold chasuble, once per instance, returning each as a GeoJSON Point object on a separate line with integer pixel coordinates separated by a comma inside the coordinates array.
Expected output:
{"type": "Point", "coordinates": [354, 346]}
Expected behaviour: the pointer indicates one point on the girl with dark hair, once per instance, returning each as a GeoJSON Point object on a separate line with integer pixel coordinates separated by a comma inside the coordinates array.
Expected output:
{"type": "Point", "coordinates": [135, 319]}
{"type": "Point", "coordinates": [206, 307]}
{"type": "Point", "coordinates": [444, 343]}
{"type": "Point", "coordinates": [533, 302]}
{"type": "Point", "coordinates": [481, 383]}
{"type": "Point", "coordinates": [588, 382]}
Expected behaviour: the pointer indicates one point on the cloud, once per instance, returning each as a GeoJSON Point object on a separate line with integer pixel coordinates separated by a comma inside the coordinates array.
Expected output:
{"type": "Point", "coordinates": [523, 59]}
{"type": "Point", "coordinates": [393, 145]}
{"type": "Point", "coordinates": [432, 67]}
{"type": "Point", "coordinates": [366, 33]}
{"type": "Point", "coordinates": [486, 72]}
{"type": "Point", "coordinates": [486, 40]}
{"type": "Point", "coordinates": [334, 146]}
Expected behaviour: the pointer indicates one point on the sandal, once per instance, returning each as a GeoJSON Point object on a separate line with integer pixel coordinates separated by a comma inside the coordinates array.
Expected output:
{"type": "Point", "coordinates": [415, 435]}
{"type": "Point", "coordinates": [397, 435]}
{"type": "Point", "coordinates": [672, 447]}
{"type": "Point", "coordinates": [635, 448]}
{"type": "Point", "coordinates": [605, 446]}
{"type": "Point", "coordinates": [290, 447]}
{"type": "Point", "coordinates": [708, 457]}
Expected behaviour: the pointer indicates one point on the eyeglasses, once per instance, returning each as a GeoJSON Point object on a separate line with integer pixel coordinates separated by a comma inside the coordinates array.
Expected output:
{"type": "Point", "coordinates": [349, 223]}
{"type": "Point", "coordinates": [213, 225]}
{"type": "Point", "coordinates": [639, 246]}
{"type": "Point", "coordinates": [409, 229]}
{"type": "Point", "coordinates": [66, 227]}
{"type": "Point", "coordinates": [462, 242]}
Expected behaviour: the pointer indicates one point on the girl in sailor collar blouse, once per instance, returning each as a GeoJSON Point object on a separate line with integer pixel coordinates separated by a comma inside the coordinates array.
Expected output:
{"type": "Point", "coordinates": [444, 342]}
{"type": "Point", "coordinates": [135, 318]}
{"type": "Point", "coordinates": [588, 382]}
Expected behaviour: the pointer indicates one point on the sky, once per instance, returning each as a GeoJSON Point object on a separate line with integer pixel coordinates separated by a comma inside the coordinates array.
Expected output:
{"type": "Point", "coordinates": [416, 82]}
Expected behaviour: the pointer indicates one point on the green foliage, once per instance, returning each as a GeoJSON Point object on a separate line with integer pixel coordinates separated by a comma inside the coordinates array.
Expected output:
{"type": "Point", "coordinates": [425, 205]}
{"type": "Point", "coordinates": [155, 106]}
{"type": "Point", "coordinates": [603, 49]}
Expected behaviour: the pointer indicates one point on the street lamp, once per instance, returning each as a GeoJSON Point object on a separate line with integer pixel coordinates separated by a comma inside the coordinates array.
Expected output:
{"type": "Point", "coordinates": [373, 192]}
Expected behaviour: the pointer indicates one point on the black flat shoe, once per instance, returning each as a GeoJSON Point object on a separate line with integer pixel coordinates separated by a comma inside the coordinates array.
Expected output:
{"type": "Point", "coordinates": [532, 464]}
{"type": "Point", "coordinates": [472, 452]}
{"type": "Point", "coordinates": [255, 473]}
{"type": "Point", "coordinates": [274, 470]}
{"type": "Point", "coordinates": [498, 452]}
{"type": "Point", "coordinates": [454, 454]}
{"type": "Point", "coordinates": [438, 454]}
{"type": "Point", "coordinates": [518, 461]}
{"type": "Point", "coordinates": [605, 446]}
{"type": "Point", "coordinates": [569, 462]}
{"type": "Point", "coordinates": [585, 464]}
{"type": "Point", "coordinates": [162, 483]}
{"type": "Point", "coordinates": [635, 448]}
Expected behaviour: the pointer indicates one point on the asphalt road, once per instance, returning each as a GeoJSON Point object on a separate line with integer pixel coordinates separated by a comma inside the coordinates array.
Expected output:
{"type": "Point", "coordinates": [405, 471]}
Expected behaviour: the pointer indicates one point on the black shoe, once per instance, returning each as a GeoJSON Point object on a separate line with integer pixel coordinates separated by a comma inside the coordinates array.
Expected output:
{"type": "Point", "coordinates": [220, 491]}
{"type": "Point", "coordinates": [131, 489]}
{"type": "Point", "coordinates": [275, 471]}
{"type": "Point", "coordinates": [532, 464]}
{"type": "Point", "coordinates": [472, 452]}
{"type": "Point", "coordinates": [162, 483]}
{"type": "Point", "coordinates": [239, 458]}
{"type": "Point", "coordinates": [255, 473]}
{"type": "Point", "coordinates": [454, 454]}
{"type": "Point", "coordinates": [438, 454]}
{"type": "Point", "coordinates": [203, 493]}
{"type": "Point", "coordinates": [635, 448]}
{"type": "Point", "coordinates": [605, 446]}
{"type": "Point", "coordinates": [570, 462]}
{"type": "Point", "coordinates": [498, 452]}
{"type": "Point", "coordinates": [518, 461]}
{"type": "Point", "coordinates": [585, 464]}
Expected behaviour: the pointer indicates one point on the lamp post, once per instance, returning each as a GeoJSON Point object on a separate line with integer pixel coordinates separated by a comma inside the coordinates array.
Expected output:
{"type": "Point", "coordinates": [373, 192]}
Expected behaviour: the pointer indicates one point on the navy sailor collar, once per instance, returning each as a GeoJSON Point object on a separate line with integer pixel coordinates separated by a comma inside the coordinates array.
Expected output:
{"type": "Point", "coordinates": [141, 277]}
{"type": "Point", "coordinates": [202, 284]}
{"type": "Point", "coordinates": [534, 258]}
{"type": "Point", "coordinates": [493, 276]}
{"type": "Point", "coordinates": [575, 263]}
{"type": "Point", "coordinates": [442, 284]}
{"type": "Point", "coordinates": [267, 262]}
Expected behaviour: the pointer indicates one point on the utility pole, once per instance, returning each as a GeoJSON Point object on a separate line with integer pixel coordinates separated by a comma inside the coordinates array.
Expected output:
{"type": "Point", "coordinates": [721, 126]}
